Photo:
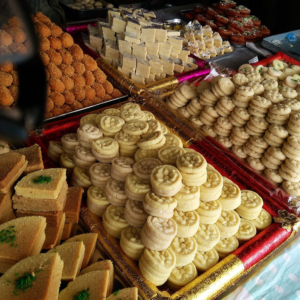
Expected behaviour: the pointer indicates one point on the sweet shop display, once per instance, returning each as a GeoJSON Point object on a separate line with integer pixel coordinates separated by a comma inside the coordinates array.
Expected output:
{"type": "Point", "coordinates": [74, 79]}
{"type": "Point", "coordinates": [157, 198]}
{"type": "Point", "coordinates": [232, 21]}
{"type": "Point", "coordinates": [89, 4]}
{"type": "Point", "coordinates": [136, 43]}
{"type": "Point", "coordinates": [254, 113]}
{"type": "Point", "coordinates": [177, 192]}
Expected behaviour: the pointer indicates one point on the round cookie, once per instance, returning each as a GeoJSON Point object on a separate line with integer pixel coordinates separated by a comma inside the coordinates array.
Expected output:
{"type": "Point", "coordinates": [144, 167]}
{"type": "Point", "coordinates": [224, 141]}
{"type": "Point", "coordinates": [292, 188]}
{"type": "Point", "coordinates": [187, 223]}
{"type": "Point", "coordinates": [206, 260]}
{"type": "Point", "coordinates": [288, 92]}
{"type": "Point", "coordinates": [240, 79]}
{"type": "Point", "coordinates": [226, 246]}
{"type": "Point", "coordinates": [166, 180]}
{"type": "Point", "coordinates": [247, 231]}
{"type": "Point", "coordinates": [250, 206]}
{"type": "Point", "coordinates": [273, 175]}
{"type": "Point", "coordinates": [131, 242]}
{"type": "Point", "coordinates": [207, 236]}
{"type": "Point", "coordinates": [228, 223]}
{"type": "Point", "coordinates": [185, 250]}
{"type": "Point", "coordinates": [263, 220]}
{"type": "Point", "coordinates": [209, 212]}
{"type": "Point", "coordinates": [238, 151]}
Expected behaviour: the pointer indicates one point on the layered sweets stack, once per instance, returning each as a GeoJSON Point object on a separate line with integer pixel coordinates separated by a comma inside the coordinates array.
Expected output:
{"type": "Point", "coordinates": [44, 193]}
{"type": "Point", "coordinates": [39, 276]}
{"type": "Point", "coordinates": [172, 211]}
{"type": "Point", "coordinates": [12, 166]}
{"type": "Point", "coordinates": [137, 44]}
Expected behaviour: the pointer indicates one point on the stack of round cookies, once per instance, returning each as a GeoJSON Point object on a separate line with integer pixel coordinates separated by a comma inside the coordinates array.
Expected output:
{"type": "Point", "coordinates": [256, 110]}
{"type": "Point", "coordinates": [172, 212]}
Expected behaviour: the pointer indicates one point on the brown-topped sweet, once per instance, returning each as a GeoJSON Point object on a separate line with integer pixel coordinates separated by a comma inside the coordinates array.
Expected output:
{"type": "Point", "coordinates": [237, 39]}
{"type": "Point", "coordinates": [199, 9]}
{"type": "Point", "coordinates": [20, 238]}
{"type": "Point", "coordinates": [33, 278]}
{"type": "Point", "coordinates": [12, 166]}
{"type": "Point", "coordinates": [33, 155]}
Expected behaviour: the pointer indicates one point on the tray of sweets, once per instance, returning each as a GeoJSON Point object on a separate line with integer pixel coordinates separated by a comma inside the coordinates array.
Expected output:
{"type": "Point", "coordinates": [287, 194]}
{"type": "Point", "coordinates": [228, 271]}
{"type": "Point", "coordinates": [279, 42]}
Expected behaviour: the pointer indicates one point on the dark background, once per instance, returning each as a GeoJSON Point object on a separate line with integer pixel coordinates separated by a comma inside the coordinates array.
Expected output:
{"type": "Point", "coordinates": [278, 15]}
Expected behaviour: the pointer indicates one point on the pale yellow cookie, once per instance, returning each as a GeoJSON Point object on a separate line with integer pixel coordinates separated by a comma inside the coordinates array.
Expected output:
{"type": "Point", "coordinates": [226, 246]}
{"type": "Point", "coordinates": [134, 213]}
{"type": "Point", "coordinates": [115, 192]}
{"type": "Point", "coordinates": [228, 223]}
{"type": "Point", "coordinates": [88, 119]}
{"type": "Point", "coordinates": [209, 212]}
{"type": "Point", "coordinates": [206, 260]}
{"type": "Point", "coordinates": [136, 188]}
{"type": "Point", "coordinates": [158, 233]}
{"type": "Point", "coordinates": [166, 180]}
{"type": "Point", "coordinates": [187, 223]}
{"type": "Point", "coordinates": [181, 276]}
{"type": "Point", "coordinates": [140, 154]}
{"type": "Point", "coordinates": [172, 140]}
{"type": "Point", "coordinates": [81, 177]}
{"type": "Point", "coordinates": [251, 205]}
{"type": "Point", "coordinates": [152, 141]}
{"type": "Point", "coordinates": [156, 266]}
{"type": "Point", "coordinates": [96, 200]}
{"type": "Point", "coordinates": [230, 197]}
{"type": "Point", "coordinates": [144, 167]}
{"type": "Point", "coordinates": [110, 125]}
{"type": "Point", "coordinates": [112, 112]}
{"type": "Point", "coordinates": [131, 242]}
{"type": "Point", "coordinates": [211, 189]}
{"type": "Point", "coordinates": [263, 220]}
{"type": "Point", "coordinates": [207, 236]}
{"type": "Point", "coordinates": [169, 154]}
{"type": "Point", "coordinates": [185, 250]}
{"type": "Point", "coordinates": [136, 127]}
{"type": "Point", "coordinates": [247, 231]}
{"type": "Point", "coordinates": [114, 221]}
{"type": "Point", "coordinates": [162, 207]}
{"type": "Point", "coordinates": [100, 174]}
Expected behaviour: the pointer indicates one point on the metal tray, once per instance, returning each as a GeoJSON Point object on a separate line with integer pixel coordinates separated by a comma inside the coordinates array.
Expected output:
{"type": "Point", "coordinates": [90, 14]}
{"type": "Point", "coordinates": [83, 14]}
{"type": "Point", "coordinates": [279, 42]}
{"type": "Point", "coordinates": [86, 109]}
{"type": "Point", "coordinates": [239, 56]}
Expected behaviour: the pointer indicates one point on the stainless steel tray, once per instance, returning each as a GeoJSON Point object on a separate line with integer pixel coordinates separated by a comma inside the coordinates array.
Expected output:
{"type": "Point", "coordinates": [279, 42]}
{"type": "Point", "coordinates": [83, 14]}
{"type": "Point", "coordinates": [86, 109]}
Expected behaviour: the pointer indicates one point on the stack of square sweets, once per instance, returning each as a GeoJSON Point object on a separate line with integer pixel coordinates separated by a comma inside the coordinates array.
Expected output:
{"type": "Point", "coordinates": [133, 38]}
{"type": "Point", "coordinates": [44, 193]}
{"type": "Point", "coordinates": [12, 166]}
